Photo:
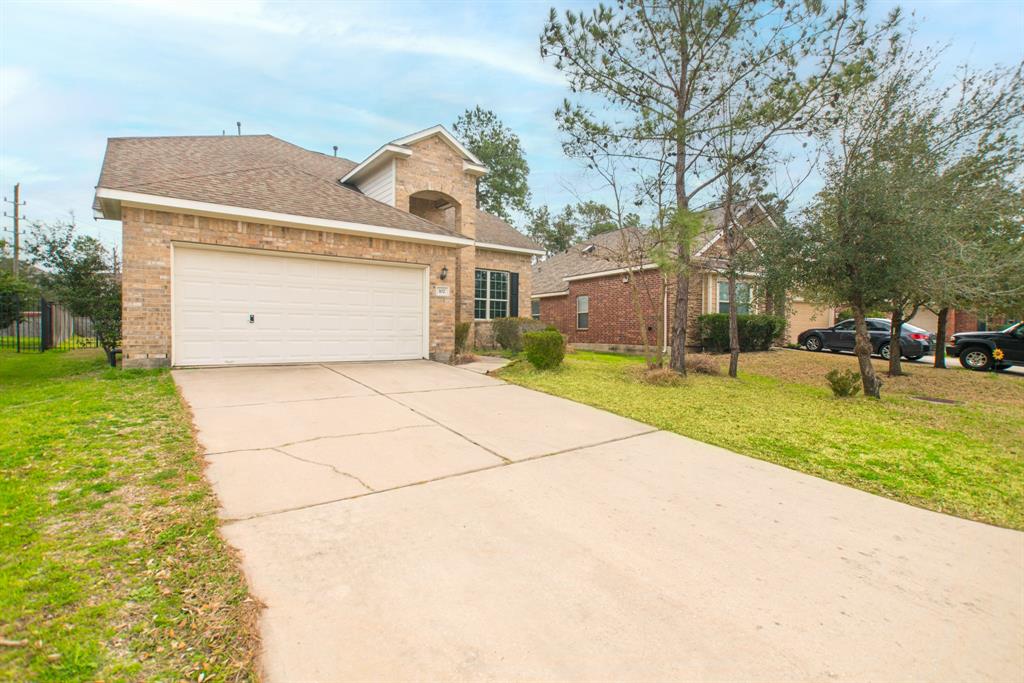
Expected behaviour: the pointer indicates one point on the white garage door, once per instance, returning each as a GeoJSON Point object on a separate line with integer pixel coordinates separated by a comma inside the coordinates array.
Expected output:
{"type": "Point", "coordinates": [239, 307]}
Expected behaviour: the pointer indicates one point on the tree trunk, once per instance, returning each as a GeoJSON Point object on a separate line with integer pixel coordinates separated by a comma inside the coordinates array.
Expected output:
{"type": "Point", "coordinates": [734, 328]}
{"type": "Point", "coordinates": [677, 361]}
{"type": "Point", "coordinates": [895, 350]}
{"type": "Point", "coordinates": [870, 381]}
{"type": "Point", "coordinates": [940, 342]}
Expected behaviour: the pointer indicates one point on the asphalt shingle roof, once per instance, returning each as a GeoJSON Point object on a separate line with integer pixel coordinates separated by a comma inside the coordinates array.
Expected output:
{"type": "Point", "coordinates": [249, 171]}
{"type": "Point", "coordinates": [493, 230]}
{"type": "Point", "coordinates": [580, 260]}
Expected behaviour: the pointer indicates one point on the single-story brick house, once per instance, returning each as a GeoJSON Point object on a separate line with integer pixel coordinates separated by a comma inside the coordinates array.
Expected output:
{"type": "Point", "coordinates": [587, 294]}
{"type": "Point", "coordinates": [248, 249]}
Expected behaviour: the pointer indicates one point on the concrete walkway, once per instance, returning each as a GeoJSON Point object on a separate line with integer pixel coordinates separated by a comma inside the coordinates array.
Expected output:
{"type": "Point", "coordinates": [416, 521]}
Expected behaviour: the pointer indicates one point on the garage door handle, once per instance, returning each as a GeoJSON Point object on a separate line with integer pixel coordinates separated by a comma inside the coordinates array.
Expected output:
{"type": "Point", "coordinates": [252, 318]}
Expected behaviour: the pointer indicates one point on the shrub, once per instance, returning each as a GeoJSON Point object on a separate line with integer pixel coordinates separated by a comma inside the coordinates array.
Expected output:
{"type": "Point", "coordinates": [544, 349]}
{"type": "Point", "coordinates": [756, 331]}
{"type": "Point", "coordinates": [843, 383]}
{"type": "Point", "coordinates": [461, 337]}
{"type": "Point", "coordinates": [508, 332]}
{"type": "Point", "coordinates": [702, 364]}
{"type": "Point", "coordinates": [660, 377]}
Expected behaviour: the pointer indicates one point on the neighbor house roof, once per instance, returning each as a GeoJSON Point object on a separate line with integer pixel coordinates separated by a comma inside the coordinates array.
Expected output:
{"type": "Point", "coordinates": [256, 172]}
{"type": "Point", "coordinates": [603, 254]}
{"type": "Point", "coordinates": [492, 230]}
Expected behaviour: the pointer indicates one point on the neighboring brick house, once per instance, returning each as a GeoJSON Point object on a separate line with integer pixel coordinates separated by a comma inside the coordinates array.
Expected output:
{"type": "Point", "coordinates": [587, 294]}
{"type": "Point", "coordinates": [249, 249]}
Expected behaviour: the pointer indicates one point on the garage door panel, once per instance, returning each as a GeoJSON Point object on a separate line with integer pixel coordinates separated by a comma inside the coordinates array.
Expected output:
{"type": "Point", "coordinates": [306, 310]}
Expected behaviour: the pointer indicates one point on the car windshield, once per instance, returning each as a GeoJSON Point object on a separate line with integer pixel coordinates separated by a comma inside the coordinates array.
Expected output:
{"type": "Point", "coordinates": [914, 328]}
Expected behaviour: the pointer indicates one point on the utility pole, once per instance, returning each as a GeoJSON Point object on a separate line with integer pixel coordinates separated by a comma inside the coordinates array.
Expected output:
{"type": "Point", "coordinates": [17, 204]}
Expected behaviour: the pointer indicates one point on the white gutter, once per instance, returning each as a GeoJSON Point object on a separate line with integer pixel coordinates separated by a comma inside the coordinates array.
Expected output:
{"type": "Point", "coordinates": [546, 295]}
{"type": "Point", "coordinates": [260, 216]}
{"type": "Point", "coordinates": [605, 273]}
{"type": "Point", "coordinates": [514, 250]}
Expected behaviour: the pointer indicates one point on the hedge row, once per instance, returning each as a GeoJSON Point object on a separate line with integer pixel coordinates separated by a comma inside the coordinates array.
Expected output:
{"type": "Point", "coordinates": [757, 332]}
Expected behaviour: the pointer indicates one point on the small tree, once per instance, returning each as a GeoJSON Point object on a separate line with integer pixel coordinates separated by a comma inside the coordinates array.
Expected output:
{"type": "Point", "coordinates": [83, 273]}
{"type": "Point", "coordinates": [505, 189]}
{"type": "Point", "coordinates": [877, 229]}
{"type": "Point", "coordinates": [13, 293]}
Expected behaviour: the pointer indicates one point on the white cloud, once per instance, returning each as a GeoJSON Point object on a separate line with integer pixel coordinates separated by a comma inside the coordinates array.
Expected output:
{"type": "Point", "coordinates": [23, 171]}
{"type": "Point", "coordinates": [237, 13]}
{"type": "Point", "coordinates": [493, 54]}
{"type": "Point", "coordinates": [14, 83]}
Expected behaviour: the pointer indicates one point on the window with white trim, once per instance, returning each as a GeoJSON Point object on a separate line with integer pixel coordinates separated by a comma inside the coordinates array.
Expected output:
{"type": "Point", "coordinates": [582, 312]}
{"type": "Point", "coordinates": [535, 309]}
{"type": "Point", "coordinates": [743, 297]}
{"type": "Point", "coordinates": [490, 294]}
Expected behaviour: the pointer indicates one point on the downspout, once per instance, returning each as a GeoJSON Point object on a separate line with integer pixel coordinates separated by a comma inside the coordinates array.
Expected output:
{"type": "Point", "coordinates": [664, 315]}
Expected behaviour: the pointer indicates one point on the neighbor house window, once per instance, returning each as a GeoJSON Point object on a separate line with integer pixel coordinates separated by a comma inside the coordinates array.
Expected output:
{"type": "Point", "coordinates": [535, 309]}
{"type": "Point", "coordinates": [490, 294]}
{"type": "Point", "coordinates": [742, 297]}
{"type": "Point", "coordinates": [582, 312]}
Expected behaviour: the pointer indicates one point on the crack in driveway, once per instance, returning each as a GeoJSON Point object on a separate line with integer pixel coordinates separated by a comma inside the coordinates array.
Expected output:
{"type": "Point", "coordinates": [317, 438]}
{"type": "Point", "coordinates": [423, 415]}
{"type": "Point", "coordinates": [327, 465]}
{"type": "Point", "coordinates": [453, 475]}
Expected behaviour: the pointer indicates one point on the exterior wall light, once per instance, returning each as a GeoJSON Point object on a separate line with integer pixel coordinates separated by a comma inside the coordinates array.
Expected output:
{"type": "Point", "coordinates": [444, 272]}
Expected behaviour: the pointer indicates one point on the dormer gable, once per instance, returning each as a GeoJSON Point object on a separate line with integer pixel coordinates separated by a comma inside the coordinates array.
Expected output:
{"type": "Point", "coordinates": [455, 166]}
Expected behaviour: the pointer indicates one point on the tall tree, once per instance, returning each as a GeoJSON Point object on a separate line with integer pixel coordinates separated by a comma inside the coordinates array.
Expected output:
{"type": "Point", "coordinates": [505, 189]}
{"type": "Point", "coordinates": [664, 69]}
{"type": "Point", "coordinates": [575, 222]}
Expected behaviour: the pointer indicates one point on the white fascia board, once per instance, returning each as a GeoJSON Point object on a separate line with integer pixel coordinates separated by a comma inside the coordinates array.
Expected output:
{"type": "Point", "coordinates": [512, 250]}
{"type": "Point", "coordinates": [703, 250]}
{"type": "Point", "coordinates": [548, 294]}
{"type": "Point", "coordinates": [292, 220]}
{"type": "Point", "coordinates": [443, 132]}
{"type": "Point", "coordinates": [475, 170]}
{"type": "Point", "coordinates": [605, 273]}
{"type": "Point", "coordinates": [388, 151]}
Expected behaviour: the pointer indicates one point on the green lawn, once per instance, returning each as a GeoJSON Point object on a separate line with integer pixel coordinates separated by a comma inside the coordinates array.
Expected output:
{"type": "Point", "coordinates": [966, 460]}
{"type": "Point", "coordinates": [111, 566]}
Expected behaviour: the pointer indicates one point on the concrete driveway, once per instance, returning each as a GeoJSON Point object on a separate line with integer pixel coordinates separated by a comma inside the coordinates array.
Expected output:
{"type": "Point", "coordinates": [414, 521]}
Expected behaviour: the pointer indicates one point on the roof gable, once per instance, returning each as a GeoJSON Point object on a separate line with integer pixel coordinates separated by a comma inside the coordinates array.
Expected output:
{"type": "Point", "coordinates": [443, 133]}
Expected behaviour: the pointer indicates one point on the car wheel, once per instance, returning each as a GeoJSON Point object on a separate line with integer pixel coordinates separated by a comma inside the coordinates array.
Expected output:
{"type": "Point", "coordinates": [976, 358]}
{"type": "Point", "coordinates": [883, 351]}
{"type": "Point", "coordinates": [813, 343]}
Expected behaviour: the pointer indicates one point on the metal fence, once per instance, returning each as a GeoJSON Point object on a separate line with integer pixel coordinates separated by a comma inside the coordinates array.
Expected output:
{"type": "Point", "coordinates": [42, 325]}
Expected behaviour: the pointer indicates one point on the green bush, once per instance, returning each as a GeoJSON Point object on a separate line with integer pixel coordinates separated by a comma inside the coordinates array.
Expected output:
{"type": "Point", "coordinates": [843, 384]}
{"type": "Point", "coordinates": [757, 332]}
{"type": "Point", "coordinates": [545, 349]}
{"type": "Point", "coordinates": [508, 332]}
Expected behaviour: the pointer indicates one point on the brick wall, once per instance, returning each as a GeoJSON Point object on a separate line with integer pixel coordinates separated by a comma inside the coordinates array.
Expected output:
{"type": "Point", "coordinates": [514, 263]}
{"type": "Point", "coordinates": [146, 251]}
{"type": "Point", "coordinates": [613, 318]}
{"type": "Point", "coordinates": [435, 167]}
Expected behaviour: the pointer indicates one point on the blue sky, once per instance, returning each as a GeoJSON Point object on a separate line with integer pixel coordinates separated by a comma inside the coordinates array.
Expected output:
{"type": "Point", "coordinates": [318, 74]}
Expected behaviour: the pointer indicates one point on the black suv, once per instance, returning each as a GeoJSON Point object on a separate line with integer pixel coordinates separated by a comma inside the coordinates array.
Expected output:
{"type": "Point", "coordinates": [914, 341]}
{"type": "Point", "coordinates": [977, 350]}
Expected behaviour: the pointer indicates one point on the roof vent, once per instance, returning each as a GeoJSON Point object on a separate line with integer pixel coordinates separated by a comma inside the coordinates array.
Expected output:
{"type": "Point", "coordinates": [589, 249]}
